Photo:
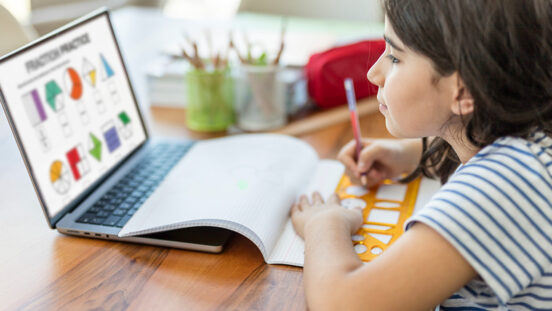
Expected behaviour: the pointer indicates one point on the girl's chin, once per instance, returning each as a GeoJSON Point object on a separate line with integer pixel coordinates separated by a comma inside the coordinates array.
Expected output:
{"type": "Point", "coordinates": [392, 129]}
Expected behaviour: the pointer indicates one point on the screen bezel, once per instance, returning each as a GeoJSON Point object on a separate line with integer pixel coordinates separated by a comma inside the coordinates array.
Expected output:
{"type": "Point", "coordinates": [53, 219]}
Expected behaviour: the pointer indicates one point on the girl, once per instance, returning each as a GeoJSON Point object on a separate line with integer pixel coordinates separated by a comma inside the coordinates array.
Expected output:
{"type": "Point", "coordinates": [476, 77]}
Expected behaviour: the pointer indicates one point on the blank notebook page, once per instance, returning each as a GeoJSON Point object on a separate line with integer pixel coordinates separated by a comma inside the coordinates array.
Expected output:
{"type": "Point", "coordinates": [250, 180]}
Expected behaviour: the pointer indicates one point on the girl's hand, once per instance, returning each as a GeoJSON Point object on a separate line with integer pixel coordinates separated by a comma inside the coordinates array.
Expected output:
{"type": "Point", "coordinates": [303, 212]}
{"type": "Point", "coordinates": [381, 158]}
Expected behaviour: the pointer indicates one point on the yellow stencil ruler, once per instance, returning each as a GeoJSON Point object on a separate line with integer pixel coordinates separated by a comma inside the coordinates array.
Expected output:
{"type": "Point", "coordinates": [385, 210]}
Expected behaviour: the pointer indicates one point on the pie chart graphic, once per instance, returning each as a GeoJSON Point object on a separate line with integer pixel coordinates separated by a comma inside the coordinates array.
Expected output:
{"type": "Point", "coordinates": [60, 177]}
{"type": "Point", "coordinates": [73, 83]}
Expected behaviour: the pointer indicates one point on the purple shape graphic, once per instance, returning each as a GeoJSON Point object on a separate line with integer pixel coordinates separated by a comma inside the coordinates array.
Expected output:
{"type": "Point", "coordinates": [112, 139]}
{"type": "Point", "coordinates": [38, 105]}
{"type": "Point", "coordinates": [34, 108]}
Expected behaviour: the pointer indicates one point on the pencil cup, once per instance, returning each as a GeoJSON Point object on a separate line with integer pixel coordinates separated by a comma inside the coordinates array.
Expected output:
{"type": "Point", "coordinates": [210, 100]}
{"type": "Point", "coordinates": [260, 101]}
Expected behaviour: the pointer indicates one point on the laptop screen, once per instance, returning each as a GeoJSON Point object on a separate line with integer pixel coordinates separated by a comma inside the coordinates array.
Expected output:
{"type": "Point", "coordinates": [73, 110]}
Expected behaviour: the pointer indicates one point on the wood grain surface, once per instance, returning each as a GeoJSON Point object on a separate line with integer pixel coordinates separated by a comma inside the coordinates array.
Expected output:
{"type": "Point", "coordinates": [44, 270]}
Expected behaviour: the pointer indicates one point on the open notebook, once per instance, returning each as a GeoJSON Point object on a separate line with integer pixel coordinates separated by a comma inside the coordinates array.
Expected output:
{"type": "Point", "coordinates": [244, 183]}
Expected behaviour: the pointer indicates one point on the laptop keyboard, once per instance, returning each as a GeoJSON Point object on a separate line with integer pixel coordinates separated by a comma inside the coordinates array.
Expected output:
{"type": "Point", "coordinates": [116, 207]}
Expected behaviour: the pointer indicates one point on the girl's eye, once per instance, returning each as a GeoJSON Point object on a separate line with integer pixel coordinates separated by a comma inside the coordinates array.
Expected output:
{"type": "Point", "coordinates": [393, 59]}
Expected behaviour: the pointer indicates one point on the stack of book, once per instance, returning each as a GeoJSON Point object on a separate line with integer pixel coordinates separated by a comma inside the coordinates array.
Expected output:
{"type": "Point", "coordinates": [166, 81]}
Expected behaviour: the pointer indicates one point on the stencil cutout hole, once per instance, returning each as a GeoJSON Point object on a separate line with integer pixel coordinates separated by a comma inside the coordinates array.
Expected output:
{"type": "Point", "coordinates": [388, 204]}
{"type": "Point", "coordinates": [391, 192]}
{"type": "Point", "coordinates": [360, 249]}
{"type": "Point", "coordinates": [384, 216]}
{"type": "Point", "coordinates": [385, 238]}
{"type": "Point", "coordinates": [357, 191]}
{"type": "Point", "coordinates": [377, 227]}
{"type": "Point", "coordinates": [357, 238]}
{"type": "Point", "coordinates": [350, 203]}
{"type": "Point", "coordinates": [376, 250]}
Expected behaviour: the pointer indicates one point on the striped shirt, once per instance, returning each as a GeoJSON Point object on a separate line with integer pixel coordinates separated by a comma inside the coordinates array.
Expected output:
{"type": "Point", "coordinates": [496, 210]}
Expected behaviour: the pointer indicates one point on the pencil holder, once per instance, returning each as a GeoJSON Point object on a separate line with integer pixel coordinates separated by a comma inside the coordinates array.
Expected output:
{"type": "Point", "coordinates": [210, 100]}
{"type": "Point", "coordinates": [260, 99]}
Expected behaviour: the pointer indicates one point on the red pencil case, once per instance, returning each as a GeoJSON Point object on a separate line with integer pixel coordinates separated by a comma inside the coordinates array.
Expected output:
{"type": "Point", "coordinates": [327, 70]}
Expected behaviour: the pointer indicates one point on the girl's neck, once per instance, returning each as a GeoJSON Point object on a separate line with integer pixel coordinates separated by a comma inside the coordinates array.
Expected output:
{"type": "Point", "coordinates": [464, 154]}
{"type": "Point", "coordinates": [461, 145]}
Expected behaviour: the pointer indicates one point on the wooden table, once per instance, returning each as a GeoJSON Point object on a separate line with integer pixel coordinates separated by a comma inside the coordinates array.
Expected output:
{"type": "Point", "coordinates": [44, 270]}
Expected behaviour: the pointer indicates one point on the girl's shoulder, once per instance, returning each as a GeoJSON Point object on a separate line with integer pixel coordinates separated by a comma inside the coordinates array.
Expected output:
{"type": "Point", "coordinates": [531, 155]}
{"type": "Point", "coordinates": [495, 210]}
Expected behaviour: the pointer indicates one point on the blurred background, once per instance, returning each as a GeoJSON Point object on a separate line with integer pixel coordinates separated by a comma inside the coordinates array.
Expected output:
{"type": "Point", "coordinates": [312, 26]}
{"type": "Point", "coordinates": [152, 33]}
{"type": "Point", "coordinates": [45, 15]}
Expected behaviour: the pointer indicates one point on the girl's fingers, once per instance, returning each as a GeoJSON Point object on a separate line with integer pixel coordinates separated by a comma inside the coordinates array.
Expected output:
{"type": "Point", "coordinates": [368, 156]}
{"type": "Point", "coordinates": [376, 175]}
{"type": "Point", "coordinates": [349, 163]}
{"type": "Point", "coordinates": [349, 147]}
{"type": "Point", "coordinates": [346, 156]}
{"type": "Point", "coordinates": [373, 177]}
{"type": "Point", "coordinates": [317, 198]}
{"type": "Point", "coordinates": [334, 199]}
{"type": "Point", "coordinates": [303, 201]}
{"type": "Point", "coordinates": [295, 209]}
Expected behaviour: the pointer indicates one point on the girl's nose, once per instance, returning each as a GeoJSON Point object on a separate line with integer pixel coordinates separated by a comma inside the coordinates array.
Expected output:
{"type": "Point", "coordinates": [375, 74]}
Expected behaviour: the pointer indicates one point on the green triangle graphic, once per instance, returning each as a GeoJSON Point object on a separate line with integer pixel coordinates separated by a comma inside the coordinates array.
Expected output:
{"type": "Point", "coordinates": [96, 150]}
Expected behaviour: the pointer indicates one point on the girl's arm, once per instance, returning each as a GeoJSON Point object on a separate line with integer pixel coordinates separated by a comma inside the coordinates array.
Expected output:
{"type": "Point", "coordinates": [420, 270]}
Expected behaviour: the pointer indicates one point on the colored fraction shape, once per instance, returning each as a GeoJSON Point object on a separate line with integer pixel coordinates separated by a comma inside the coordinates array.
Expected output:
{"type": "Point", "coordinates": [37, 116]}
{"type": "Point", "coordinates": [111, 136]}
{"type": "Point", "coordinates": [89, 72]}
{"type": "Point", "coordinates": [73, 83]}
{"type": "Point", "coordinates": [95, 147]}
{"type": "Point", "coordinates": [90, 75]}
{"type": "Point", "coordinates": [34, 108]}
{"type": "Point", "coordinates": [53, 92]}
{"type": "Point", "coordinates": [77, 162]}
{"type": "Point", "coordinates": [60, 177]}
{"type": "Point", "coordinates": [108, 71]}
{"type": "Point", "coordinates": [107, 74]}
{"type": "Point", "coordinates": [126, 127]}
{"type": "Point", "coordinates": [73, 86]}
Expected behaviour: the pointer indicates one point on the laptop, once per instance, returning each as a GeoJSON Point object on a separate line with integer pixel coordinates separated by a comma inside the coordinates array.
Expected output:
{"type": "Point", "coordinates": [71, 107]}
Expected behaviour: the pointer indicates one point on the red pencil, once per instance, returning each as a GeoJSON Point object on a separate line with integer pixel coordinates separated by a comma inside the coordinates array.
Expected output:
{"type": "Point", "coordinates": [351, 101]}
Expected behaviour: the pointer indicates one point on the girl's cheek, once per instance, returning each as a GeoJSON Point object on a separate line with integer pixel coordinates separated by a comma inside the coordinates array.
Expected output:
{"type": "Point", "coordinates": [389, 92]}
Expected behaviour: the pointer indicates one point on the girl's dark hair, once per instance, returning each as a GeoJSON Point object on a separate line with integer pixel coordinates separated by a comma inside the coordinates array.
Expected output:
{"type": "Point", "coordinates": [502, 50]}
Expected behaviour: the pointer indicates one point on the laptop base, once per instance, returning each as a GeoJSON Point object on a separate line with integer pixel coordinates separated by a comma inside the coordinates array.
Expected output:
{"type": "Point", "coordinates": [204, 239]}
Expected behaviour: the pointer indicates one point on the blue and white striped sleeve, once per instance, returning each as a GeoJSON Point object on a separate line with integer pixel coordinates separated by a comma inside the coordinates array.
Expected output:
{"type": "Point", "coordinates": [496, 211]}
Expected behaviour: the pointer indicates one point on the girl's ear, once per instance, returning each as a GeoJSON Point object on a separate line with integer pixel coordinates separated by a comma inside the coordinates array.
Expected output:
{"type": "Point", "coordinates": [463, 100]}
